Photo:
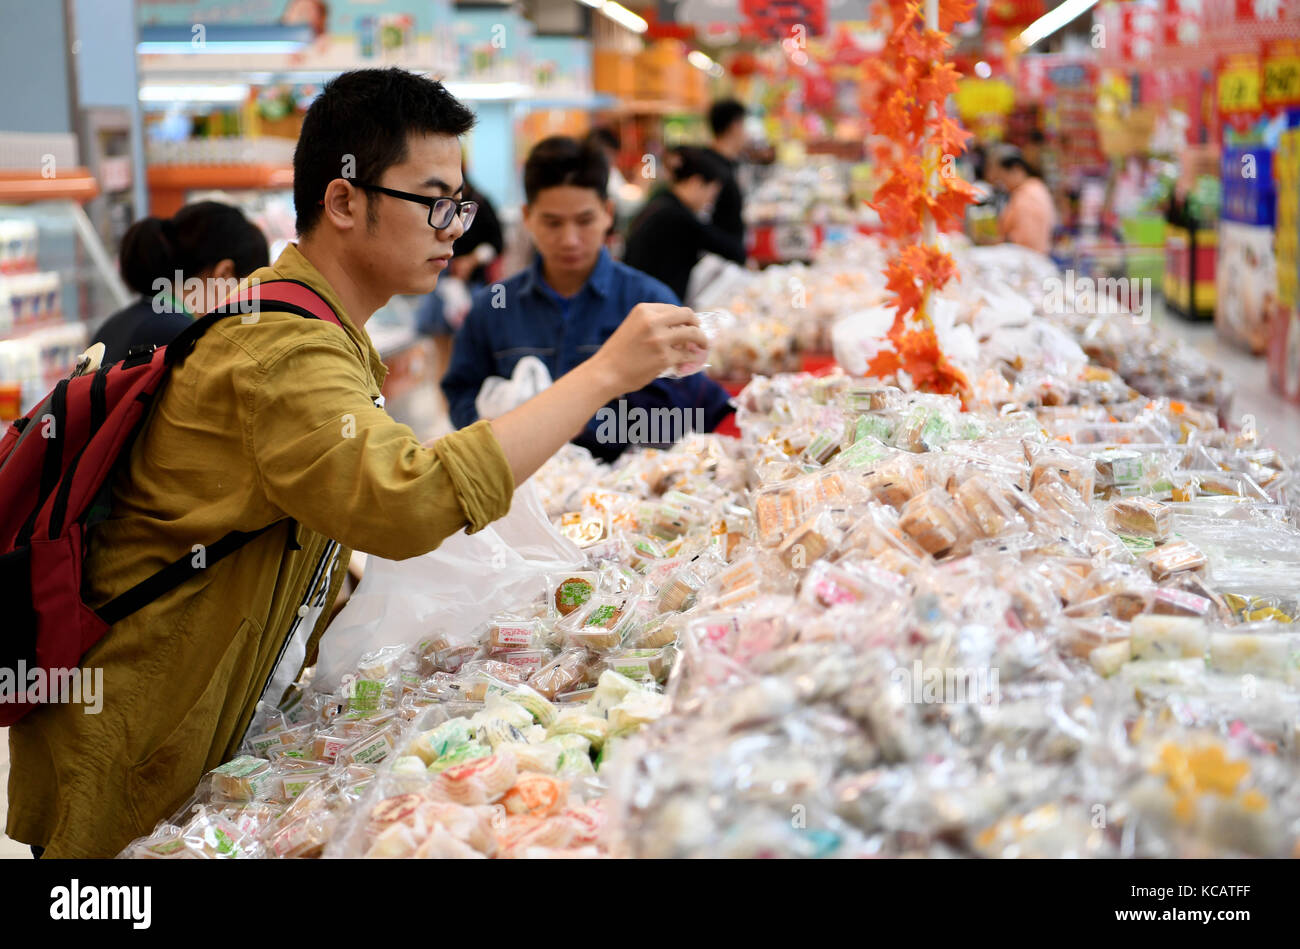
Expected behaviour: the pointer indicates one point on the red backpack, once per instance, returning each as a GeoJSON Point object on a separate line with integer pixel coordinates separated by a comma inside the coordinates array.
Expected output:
{"type": "Point", "coordinates": [56, 468]}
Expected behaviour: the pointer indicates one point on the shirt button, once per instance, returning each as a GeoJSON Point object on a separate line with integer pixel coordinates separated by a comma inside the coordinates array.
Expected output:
{"type": "Point", "coordinates": [302, 610]}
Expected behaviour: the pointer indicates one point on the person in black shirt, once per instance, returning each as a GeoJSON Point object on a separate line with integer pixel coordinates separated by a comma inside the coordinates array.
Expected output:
{"type": "Point", "coordinates": [727, 121]}
{"type": "Point", "coordinates": [181, 267]}
{"type": "Point", "coordinates": [668, 236]}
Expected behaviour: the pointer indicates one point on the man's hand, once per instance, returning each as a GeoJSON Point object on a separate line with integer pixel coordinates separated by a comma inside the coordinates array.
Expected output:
{"type": "Point", "coordinates": [653, 338]}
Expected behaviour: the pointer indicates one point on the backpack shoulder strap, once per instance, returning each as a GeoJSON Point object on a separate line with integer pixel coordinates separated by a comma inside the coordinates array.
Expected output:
{"type": "Point", "coordinates": [274, 296]}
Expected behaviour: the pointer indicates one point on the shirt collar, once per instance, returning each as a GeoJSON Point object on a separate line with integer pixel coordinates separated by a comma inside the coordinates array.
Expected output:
{"type": "Point", "coordinates": [600, 281]}
{"type": "Point", "coordinates": [291, 263]}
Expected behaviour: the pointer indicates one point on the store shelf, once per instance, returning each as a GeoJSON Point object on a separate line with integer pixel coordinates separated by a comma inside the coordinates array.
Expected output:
{"type": "Point", "coordinates": [169, 184]}
{"type": "Point", "coordinates": [24, 187]}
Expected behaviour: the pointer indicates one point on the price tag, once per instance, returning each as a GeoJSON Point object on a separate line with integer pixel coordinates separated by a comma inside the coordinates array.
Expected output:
{"type": "Point", "coordinates": [1239, 89]}
{"type": "Point", "coordinates": [1282, 75]}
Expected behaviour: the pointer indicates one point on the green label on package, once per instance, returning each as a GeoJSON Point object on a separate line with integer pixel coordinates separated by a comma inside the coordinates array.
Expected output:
{"type": "Point", "coordinates": [1138, 544]}
{"type": "Point", "coordinates": [366, 694]}
{"type": "Point", "coordinates": [872, 425]}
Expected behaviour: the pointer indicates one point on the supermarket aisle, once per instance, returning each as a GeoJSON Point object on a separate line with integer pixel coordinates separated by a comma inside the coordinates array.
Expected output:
{"type": "Point", "coordinates": [10, 849]}
{"type": "Point", "coordinates": [1278, 421]}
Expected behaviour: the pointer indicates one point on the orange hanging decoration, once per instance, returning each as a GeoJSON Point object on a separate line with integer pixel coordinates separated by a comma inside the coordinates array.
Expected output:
{"type": "Point", "coordinates": [912, 83]}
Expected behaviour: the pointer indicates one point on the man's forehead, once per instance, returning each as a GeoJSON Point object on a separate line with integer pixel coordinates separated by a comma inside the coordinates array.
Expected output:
{"type": "Point", "coordinates": [566, 202]}
{"type": "Point", "coordinates": [434, 161]}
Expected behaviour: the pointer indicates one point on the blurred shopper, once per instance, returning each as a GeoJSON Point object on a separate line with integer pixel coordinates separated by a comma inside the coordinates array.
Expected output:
{"type": "Point", "coordinates": [727, 122]}
{"type": "Point", "coordinates": [1029, 215]}
{"type": "Point", "coordinates": [626, 197]}
{"type": "Point", "coordinates": [476, 252]}
{"type": "Point", "coordinates": [181, 267]}
{"type": "Point", "coordinates": [269, 447]}
{"type": "Point", "coordinates": [674, 231]}
{"type": "Point", "coordinates": [545, 322]}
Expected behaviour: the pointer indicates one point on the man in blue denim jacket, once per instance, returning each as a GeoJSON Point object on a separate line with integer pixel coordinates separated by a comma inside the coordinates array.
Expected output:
{"type": "Point", "coordinates": [567, 303]}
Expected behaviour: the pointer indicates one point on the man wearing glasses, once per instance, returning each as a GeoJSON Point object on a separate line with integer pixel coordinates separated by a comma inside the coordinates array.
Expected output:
{"type": "Point", "coordinates": [273, 420]}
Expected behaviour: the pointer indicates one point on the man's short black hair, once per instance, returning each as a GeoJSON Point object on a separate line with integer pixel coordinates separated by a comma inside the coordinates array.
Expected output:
{"type": "Point", "coordinates": [367, 114]}
{"type": "Point", "coordinates": [560, 160]}
{"type": "Point", "coordinates": [687, 161]}
{"type": "Point", "coordinates": [605, 137]}
{"type": "Point", "coordinates": [724, 114]}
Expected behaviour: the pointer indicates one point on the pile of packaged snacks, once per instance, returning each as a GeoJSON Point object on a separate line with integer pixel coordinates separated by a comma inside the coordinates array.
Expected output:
{"type": "Point", "coordinates": [1059, 621]}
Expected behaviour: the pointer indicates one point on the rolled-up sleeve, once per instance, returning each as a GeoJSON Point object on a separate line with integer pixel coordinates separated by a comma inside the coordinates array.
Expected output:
{"type": "Point", "coordinates": [330, 459]}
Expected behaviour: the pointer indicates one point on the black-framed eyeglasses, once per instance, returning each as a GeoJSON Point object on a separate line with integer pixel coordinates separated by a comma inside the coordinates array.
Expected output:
{"type": "Point", "coordinates": [441, 210]}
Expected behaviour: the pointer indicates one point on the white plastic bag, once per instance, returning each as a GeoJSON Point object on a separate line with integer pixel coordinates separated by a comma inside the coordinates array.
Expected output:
{"type": "Point", "coordinates": [497, 396]}
{"type": "Point", "coordinates": [451, 589]}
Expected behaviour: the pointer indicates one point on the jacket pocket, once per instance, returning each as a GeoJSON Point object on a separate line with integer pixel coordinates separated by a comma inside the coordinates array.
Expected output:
{"type": "Point", "coordinates": [165, 777]}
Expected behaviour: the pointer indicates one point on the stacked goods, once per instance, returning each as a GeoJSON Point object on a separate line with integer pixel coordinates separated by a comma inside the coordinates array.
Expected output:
{"type": "Point", "coordinates": [1055, 620]}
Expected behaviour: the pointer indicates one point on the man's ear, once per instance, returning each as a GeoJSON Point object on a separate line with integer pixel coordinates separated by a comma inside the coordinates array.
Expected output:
{"type": "Point", "coordinates": [609, 208]}
{"type": "Point", "coordinates": [223, 269]}
{"type": "Point", "coordinates": [343, 204]}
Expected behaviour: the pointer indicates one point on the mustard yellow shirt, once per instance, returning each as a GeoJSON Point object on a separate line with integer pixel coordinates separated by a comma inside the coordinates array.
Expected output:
{"type": "Point", "coordinates": [263, 420]}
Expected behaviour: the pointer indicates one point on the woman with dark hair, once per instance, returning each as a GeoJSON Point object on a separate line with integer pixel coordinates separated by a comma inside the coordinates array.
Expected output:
{"type": "Point", "coordinates": [670, 234]}
{"type": "Point", "coordinates": [180, 267]}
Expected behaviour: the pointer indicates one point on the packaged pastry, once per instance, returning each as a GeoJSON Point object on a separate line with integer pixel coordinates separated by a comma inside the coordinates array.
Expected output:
{"type": "Point", "coordinates": [570, 592]}
{"type": "Point", "coordinates": [1276, 655]}
{"type": "Point", "coordinates": [1168, 637]}
{"type": "Point", "coordinates": [537, 705]}
{"type": "Point", "coordinates": [934, 522]}
{"type": "Point", "coordinates": [639, 663]}
{"type": "Point", "coordinates": [1118, 466]}
{"type": "Point", "coordinates": [1079, 472]}
{"type": "Point", "coordinates": [896, 482]}
{"type": "Point", "coordinates": [602, 624]}
{"type": "Point", "coordinates": [578, 721]}
{"type": "Point", "coordinates": [660, 632]}
{"type": "Point", "coordinates": [777, 510]}
{"type": "Point", "coordinates": [678, 591]}
{"type": "Point", "coordinates": [561, 674]}
{"type": "Point", "coordinates": [480, 781]}
{"type": "Point", "coordinates": [987, 506]}
{"type": "Point", "coordinates": [527, 661]}
{"type": "Point", "coordinates": [1141, 516]}
{"type": "Point", "coordinates": [242, 779]}
{"type": "Point", "coordinates": [539, 795]}
{"type": "Point", "coordinates": [1166, 560]}
{"type": "Point", "coordinates": [809, 542]}
{"type": "Point", "coordinates": [508, 633]}
{"type": "Point", "coordinates": [1170, 601]}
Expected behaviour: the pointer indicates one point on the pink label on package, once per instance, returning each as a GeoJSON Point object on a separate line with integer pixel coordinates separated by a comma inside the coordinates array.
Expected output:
{"type": "Point", "coordinates": [1184, 600]}
{"type": "Point", "coordinates": [531, 663]}
{"type": "Point", "coordinates": [514, 635]}
{"type": "Point", "coordinates": [830, 592]}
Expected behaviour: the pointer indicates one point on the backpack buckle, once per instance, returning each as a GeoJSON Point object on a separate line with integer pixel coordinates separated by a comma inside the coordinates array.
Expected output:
{"type": "Point", "coordinates": [137, 355]}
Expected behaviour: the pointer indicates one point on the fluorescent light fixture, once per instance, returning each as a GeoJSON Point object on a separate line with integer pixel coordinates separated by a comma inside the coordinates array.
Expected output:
{"type": "Point", "coordinates": [624, 17]}
{"type": "Point", "coordinates": [225, 39]}
{"type": "Point", "coordinates": [699, 60]}
{"type": "Point", "coordinates": [1053, 20]}
{"type": "Point", "coordinates": [225, 92]}
{"type": "Point", "coordinates": [485, 91]}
